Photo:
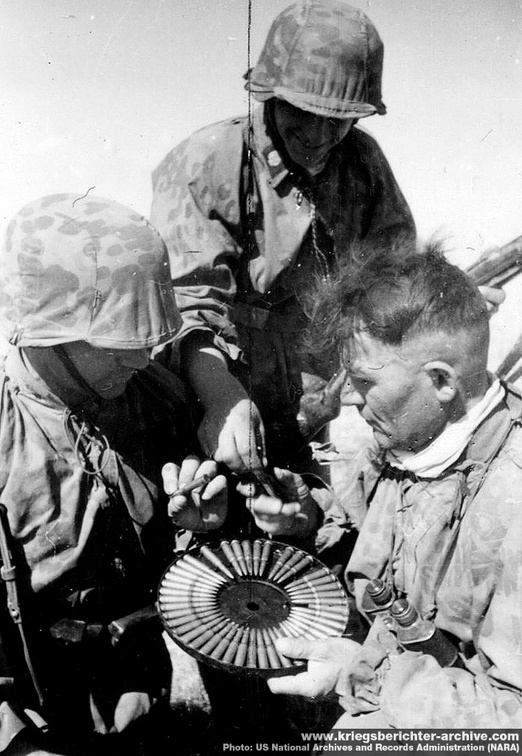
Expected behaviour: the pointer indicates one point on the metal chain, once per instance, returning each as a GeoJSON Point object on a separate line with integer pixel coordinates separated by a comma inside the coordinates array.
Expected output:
{"type": "Point", "coordinates": [318, 253]}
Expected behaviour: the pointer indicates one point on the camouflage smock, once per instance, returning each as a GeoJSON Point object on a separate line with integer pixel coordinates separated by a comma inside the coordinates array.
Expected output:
{"type": "Point", "coordinates": [454, 546]}
{"type": "Point", "coordinates": [241, 245]}
{"type": "Point", "coordinates": [80, 476]}
{"type": "Point", "coordinates": [80, 269]}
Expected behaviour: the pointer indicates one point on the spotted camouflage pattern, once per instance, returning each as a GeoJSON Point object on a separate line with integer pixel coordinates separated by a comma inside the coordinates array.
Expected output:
{"type": "Point", "coordinates": [324, 57]}
{"type": "Point", "coordinates": [85, 270]}
{"type": "Point", "coordinates": [475, 594]}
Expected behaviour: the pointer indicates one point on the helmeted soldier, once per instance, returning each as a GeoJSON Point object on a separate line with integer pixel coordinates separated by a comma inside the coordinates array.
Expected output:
{"type": "Point", "coordinates": [85, 295]}
{"type": "Point", "coordinates": [253, 209]}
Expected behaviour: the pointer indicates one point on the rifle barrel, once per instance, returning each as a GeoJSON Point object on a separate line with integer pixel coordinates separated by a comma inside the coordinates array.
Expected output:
{"type": "Point", "coordinates": [498, 264]}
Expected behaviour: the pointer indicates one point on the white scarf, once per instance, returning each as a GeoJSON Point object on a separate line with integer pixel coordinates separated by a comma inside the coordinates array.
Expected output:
{"type": "Point", "coordinates": [431, 461]}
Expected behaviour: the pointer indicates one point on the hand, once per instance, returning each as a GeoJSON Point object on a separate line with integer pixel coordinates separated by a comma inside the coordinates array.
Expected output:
{"type": "Point", "coordinates": [494, 297]}
{"type": "Point", "coordinates": [130, 707]}
{"type": "Point", "coordinates": [297, 515]}
{"type": "Point", "coordinates": [202, 509]}
{"type": "Point", "coordinates": [327, 660]}
{"type": "Point", "coordinates": [232, 431]}
{"type": "Point", "coordinates": [234, 434]}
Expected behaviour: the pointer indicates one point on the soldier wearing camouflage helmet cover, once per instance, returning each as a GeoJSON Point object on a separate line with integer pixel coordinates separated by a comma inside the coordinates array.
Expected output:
{"type": "Point", "coordinates": [252, 210]}
{"type": "Point", "coordinates": [86, 424]}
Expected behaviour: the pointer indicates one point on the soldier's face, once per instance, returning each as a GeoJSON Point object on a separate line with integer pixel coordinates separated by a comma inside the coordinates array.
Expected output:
{"type": "Point", "coordinates": [394, 393]}
{"type": "Point", "coordinates": [106, 371]}
{"type": "Point", "coordinates": [308, 138]}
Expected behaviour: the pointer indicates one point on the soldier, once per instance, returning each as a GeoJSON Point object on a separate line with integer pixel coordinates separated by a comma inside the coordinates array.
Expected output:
{"type": "Point", "coordinates": [253, 209]}
{"type": "Point", "coordinates": [437, 506]}
{"type": "Point", "coordinates": [86, 425]}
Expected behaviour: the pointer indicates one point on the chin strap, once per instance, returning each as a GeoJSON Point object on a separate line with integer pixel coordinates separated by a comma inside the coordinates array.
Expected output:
{"type": "Point", "coordinates": [60, 352]}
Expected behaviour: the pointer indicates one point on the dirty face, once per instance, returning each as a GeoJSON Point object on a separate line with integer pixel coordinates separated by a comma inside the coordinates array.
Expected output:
{"type": "Point", "coordinates": [308, 138]}
{"type": "Point", "coordinates": [106, 371]}
{"type": "Point", "coordinates": [394, 393]}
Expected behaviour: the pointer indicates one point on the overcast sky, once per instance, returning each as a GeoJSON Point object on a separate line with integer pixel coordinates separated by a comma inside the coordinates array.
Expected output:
{"type": "Point", "coordinates": [93, 93]}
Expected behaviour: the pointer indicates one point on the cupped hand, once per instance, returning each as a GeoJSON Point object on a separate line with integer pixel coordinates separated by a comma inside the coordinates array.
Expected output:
{"type": "Point", "coordinates": [202, 509]}
{"type": "Point", "coordinates": [295, 513]}
{"type": "Point", "coordinates": [234, 434]}
{"type": "Point", "coordinates": [493, 296]}
{"type": "Point", "coordinates": [327, 660]}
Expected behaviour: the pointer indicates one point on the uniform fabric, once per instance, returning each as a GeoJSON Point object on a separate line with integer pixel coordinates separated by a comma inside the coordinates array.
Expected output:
{"type": "Point", "coordinates": [242, 250]}
{"type": "Point", "coordinates": [115, 294]}
{"type": "Point", "coordinates": [453, 545]}
{"type": "Point", "coordinates": [80, 476]}
{"type": "Point", "coordinates": [82, 489]}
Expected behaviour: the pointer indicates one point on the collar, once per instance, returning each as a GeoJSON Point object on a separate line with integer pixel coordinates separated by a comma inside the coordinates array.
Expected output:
{"type": "Point", "coordinates": [282, 175]}
{"type": "Point", "coordinates": [267, 150]}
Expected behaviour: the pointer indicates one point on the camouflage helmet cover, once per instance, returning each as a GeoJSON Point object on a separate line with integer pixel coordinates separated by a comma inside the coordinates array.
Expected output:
{"type": "Point", "coordinates": [324, 57]}
{"type": "Point", "coordinates": [85, 270]}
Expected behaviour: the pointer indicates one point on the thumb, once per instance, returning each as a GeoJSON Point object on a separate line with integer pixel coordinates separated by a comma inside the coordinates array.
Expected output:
{"type": "Point", "coordinates": [293, 483]}
{"type": "Point", "coordinates": [294, 648]}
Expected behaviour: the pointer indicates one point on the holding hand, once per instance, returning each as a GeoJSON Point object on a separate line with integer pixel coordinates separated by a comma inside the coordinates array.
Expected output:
{"type": "Point", "coordinates": [493, 296]}
{"type": "Point", "coordinates": [295, 513]}
{"type": "Point", "coordinates": [327, 660]}
{"type": "Point", "coordinates": [231, 431]}
{"type": "Point", "coordinates": [234, 434]}
{"type": "Point", "coordinates": [203, 508]}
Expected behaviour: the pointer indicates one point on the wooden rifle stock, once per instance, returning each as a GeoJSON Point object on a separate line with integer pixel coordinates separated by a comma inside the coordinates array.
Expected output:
{"type": "Point", "coordinates": [495, 267]}
{"type": "Point", "coordinates": [498, 264]}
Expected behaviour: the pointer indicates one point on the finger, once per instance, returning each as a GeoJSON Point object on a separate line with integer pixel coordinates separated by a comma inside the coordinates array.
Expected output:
{"type": "Point", "coordinates": [265, 506]}
{"type": "Point", "coordinates": [228, 454]}
{"type": "Point", "coordinates": [170, 476]}
{"type": "Point", "coordinates": [248, 490]}
{"type": "Point", "coordinates": [214, 488]}
{"type": "Point", "coordinates": [295, 648]}
{"type": "Point", "coordinates": [177, 504]}
{"type": "Point", "coordinates": [131, 706]}
{"type": "Point", "coordinates": [188, 470]}
{"type": "Point", "coordinates": [284, 475]}
{"type": "Point", "coordinates": [292, 685]}
{"type": "Point", "coordinates": [207, 467]}
{"type": "Point", "coordinates": [292, 482]}
{"type": "Point", "coordinates": [287, 481]}
{"type": "Point", "coordinates": [493, 295]}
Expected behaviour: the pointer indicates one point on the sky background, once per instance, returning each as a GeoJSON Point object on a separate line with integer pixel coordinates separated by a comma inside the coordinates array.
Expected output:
{"type": "Point", "coordinates": [93, 93]}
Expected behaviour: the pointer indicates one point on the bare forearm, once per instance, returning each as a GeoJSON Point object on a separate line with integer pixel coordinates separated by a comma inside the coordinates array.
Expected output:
{"type": "Point", "coordinates": [207, 372]}
{"type": "Point", "coordinates": [231, 430]}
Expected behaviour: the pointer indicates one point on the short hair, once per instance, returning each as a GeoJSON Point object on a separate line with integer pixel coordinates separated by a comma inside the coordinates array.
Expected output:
{"type": "Point", "coordinates": [393, 295]}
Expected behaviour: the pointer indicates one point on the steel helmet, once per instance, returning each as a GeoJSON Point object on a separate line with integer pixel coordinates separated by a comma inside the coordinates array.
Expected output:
{"type": "Point", "coordinates": [324, 57]}
{"type": "Point", "coordinates": [85, 269]}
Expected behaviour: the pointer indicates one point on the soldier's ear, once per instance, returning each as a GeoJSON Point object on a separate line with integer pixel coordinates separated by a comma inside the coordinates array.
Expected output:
{"type": "Point", "coordinates": [443, 378]}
